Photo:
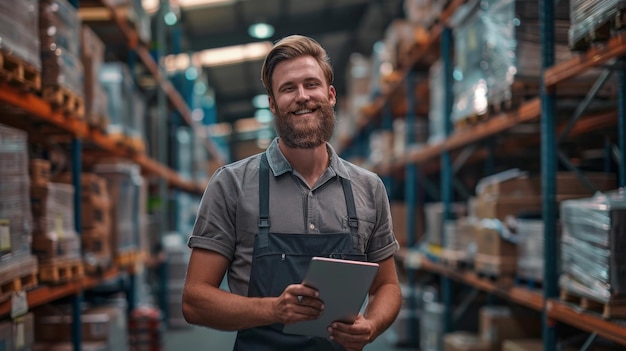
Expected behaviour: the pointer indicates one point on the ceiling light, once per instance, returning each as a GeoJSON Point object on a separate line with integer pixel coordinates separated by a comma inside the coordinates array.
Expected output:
{"type": "Point", "coordinates": [233, 54]}
{"type": "Point", "coordinates": [204, 3]}
{"type": "Point", "coordinates": [261, 30]}
{"type": "Point", "coordinates": [261, 101]}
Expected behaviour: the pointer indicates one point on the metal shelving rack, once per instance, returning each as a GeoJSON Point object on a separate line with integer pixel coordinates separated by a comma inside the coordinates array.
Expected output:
{"type": "Point", "coordinates": [41, 117]}
{"type": "Point", "coordinates": [434, 159]}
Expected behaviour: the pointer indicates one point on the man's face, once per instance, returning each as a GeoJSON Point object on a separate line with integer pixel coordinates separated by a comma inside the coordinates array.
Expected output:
{"type": "Point", "coordinates": [302, 103]}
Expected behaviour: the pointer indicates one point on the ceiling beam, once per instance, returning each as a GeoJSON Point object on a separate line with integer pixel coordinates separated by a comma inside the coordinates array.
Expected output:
{"type": "Point", "coordinates": [341, 19]}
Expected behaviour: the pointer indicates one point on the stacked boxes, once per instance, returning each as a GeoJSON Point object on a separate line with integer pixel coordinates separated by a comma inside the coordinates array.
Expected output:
{"type": "Point", "coordinates": [593, 247]}
{"type": "Point", "coordinates": [54, 237]}
{"type": "Point", "coordinates": [123, 182]}
{"type": "Point", "coordinates": [59, 35]}
{"type": "Point", "coordinates": [17, 334]}
{"type": "Point", "coordinates": [92, 58]}
{"type": "Point", "coordinates": [15, 214]}
{"type": "Point", "coordinates": [117, 83]}
{"type": "Point", "coordinates": [105, 325]}
{"type": "Point", "coordinates": [592, 18]}
{"type": "Point", "coordinates": [19, 30]}
{"type": "Point", "coordinates": [95, 220]}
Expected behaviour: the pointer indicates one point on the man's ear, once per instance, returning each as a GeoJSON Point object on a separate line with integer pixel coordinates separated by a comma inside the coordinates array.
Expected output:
{"type": "Point", "coordinates": [272, 104]}
{"type": "Point", "coordinates": [332, 95]}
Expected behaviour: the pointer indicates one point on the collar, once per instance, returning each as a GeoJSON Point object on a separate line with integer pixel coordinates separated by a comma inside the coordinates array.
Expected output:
{"type": "Point", "coordinates": [279, 164]}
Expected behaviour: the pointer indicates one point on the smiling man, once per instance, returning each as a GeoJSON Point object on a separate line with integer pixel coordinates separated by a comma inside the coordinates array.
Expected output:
{"type": "Point", "coordinates": [261, 220]}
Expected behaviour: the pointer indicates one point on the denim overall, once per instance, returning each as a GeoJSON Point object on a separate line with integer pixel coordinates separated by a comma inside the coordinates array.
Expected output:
{"type": "Point", "coordinates": [282, 259]}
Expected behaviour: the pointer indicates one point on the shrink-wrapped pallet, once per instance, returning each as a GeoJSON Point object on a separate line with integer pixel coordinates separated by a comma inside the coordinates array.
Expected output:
{"type": "Point", "coordinates": [590, 19]}
{"type": "Point", "coordinates": [19, 36]}
{"type": "Point", "coordinates": [15, 208]}
{"type": "Point", "coordinates": [59, 35]}
{"type": "Point", "coordinates": [593, 246]}
{"type": "Point", "coordinates": [497, 46]}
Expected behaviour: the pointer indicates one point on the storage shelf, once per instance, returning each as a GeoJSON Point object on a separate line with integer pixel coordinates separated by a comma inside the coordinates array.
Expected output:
{"type": "Point", "coordinates": [595, 56]}
{"type": "Point", "coordinates": [521, 295]}
{"type": "Point", "coordinates": [39, 110]}
{"type": "Point", "coordinates": [140, 48]}
{"type": "Point", "coordinates": [615, 331]}
{"type": "Point", "coordinates": [557, 310]}
{"type": "Point", "coordinates": [44, 294]}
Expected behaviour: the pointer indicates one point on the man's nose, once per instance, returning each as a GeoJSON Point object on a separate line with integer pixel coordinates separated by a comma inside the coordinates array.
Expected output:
{"type": "Point", "coordinates": [302, 94]}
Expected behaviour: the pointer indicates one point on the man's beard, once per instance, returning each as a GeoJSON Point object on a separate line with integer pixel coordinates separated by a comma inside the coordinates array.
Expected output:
{"type": "Point", "coordinates": [298, 135]}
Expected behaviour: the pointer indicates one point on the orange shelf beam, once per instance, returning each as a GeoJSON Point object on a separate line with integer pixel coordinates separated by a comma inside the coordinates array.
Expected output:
{"type": "Point", "coordinates": [175, 98]}
{"type": "Point", "coordinates": [595, 56]}
{"type": "Point", "coordinates": [47, 293]}
{"type": "Point", "coordinates": [42, 111]}
{"type": "Point", "coordinates": [585, 321]}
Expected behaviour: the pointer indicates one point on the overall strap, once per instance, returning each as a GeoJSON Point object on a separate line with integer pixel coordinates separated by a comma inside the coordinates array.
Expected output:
{"type": "Point", "coordinates": [264, 201]}
{"type": "Point", "coordinates": [353, 222]}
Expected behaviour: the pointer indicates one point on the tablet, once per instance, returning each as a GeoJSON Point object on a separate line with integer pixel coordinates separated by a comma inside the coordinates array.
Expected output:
{"type": "Point", "coordinates": [343, 286]}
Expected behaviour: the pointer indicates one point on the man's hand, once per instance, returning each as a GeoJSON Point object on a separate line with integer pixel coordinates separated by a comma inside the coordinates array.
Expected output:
{"type": "Point", "coordinates": [353, 337]}
{"type": "Point", "coordinates": [298, 303]}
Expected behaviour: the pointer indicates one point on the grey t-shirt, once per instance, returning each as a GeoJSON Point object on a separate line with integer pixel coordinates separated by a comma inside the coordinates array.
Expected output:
{"type": "Point", "coordinates": [227, 219]}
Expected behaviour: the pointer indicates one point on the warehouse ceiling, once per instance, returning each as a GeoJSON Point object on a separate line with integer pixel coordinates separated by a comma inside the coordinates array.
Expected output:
{"type": "Point", "coordinates": [343, 27]}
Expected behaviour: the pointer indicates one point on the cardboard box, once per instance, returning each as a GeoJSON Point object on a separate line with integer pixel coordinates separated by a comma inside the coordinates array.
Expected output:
{"type": "Point", "coordinates": [489, 242]}
{"type": "Point", "coordinates": [498, 323]}
{"type": "Point", "coordinates": [48, 248]}
{"type": "Point", "coordinates": [522, 345]}
{"type": "Point", "coordinates": [464, 341]}
{"type": "Point", "coordinates": [39, 172]}
{"type": "Point", "coordinates": [399, 218]}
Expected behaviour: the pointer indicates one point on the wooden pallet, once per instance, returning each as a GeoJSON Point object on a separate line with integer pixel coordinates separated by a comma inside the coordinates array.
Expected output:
{"type": "Point", "coordinates": [497, 269]}
{"type": "Point", "coordinates": [61, 271]}
{"type": "Point", "coordinates": [16, 72]}
{"type": "Point", "coordinates": [64, 100]}
{"type": "Point", "coordinates": [616, 308]}
{"type": "Point", "coordinates": [19, 277]}
{"type": "Point", "coordinates": [455, 259]}
{"type": "Point", "coordinates": [601, 33]}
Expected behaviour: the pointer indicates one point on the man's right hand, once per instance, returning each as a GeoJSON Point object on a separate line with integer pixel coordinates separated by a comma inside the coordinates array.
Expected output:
{"type": "Point", "coordinates": [298, 303]}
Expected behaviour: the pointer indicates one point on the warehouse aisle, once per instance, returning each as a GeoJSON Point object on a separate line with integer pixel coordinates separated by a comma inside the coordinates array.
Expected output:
{"type": "Point", "coordinates": [198, 338]}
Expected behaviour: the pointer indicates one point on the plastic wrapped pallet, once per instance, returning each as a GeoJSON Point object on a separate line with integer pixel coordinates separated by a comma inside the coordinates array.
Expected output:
{"type": "Point", "coordinates": [497, 42]}
{"type": "Point", "coordinates": [593, 246]}
{"type": "Point", "coordinates": [116, 81]}
{"type": "Point", "coordinates": [530, 249]}
{"type": "Point", "coordinates": [436, 113]}
{"type": "Point", "coordinates": [92, 58]}
{"type": "Point", "coordinates": [54, 236]}
{"type": "Point", "coordinates": [588, 16]}
{"type": "Point", "coordinates": [123, 183]}
{"type": "Point", "coordinates": [19, 35]}
{"type": "Point", "coordinates": [59, 35]}
{"type": "Point", "coordinates": [15, 209]}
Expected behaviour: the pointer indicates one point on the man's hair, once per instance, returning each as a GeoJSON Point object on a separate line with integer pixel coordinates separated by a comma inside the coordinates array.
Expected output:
{"type": "Point", "coordinates": [292, 47]}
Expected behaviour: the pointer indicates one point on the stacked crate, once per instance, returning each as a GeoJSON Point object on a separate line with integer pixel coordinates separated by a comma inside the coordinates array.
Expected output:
{"type": "Point", "coordinates": [92, 58]}
{"type": "Point", "coordinates": [19, 48]}
{"type": "Point", "coordinates": [512, 194]}
{"type": "Point", "coordinates": [123, 183]}
{"type": "Point", "coordinates": [95, 221]}
{"type": "Point", "coordinates": [62, 70]}
{"type": "Point", "coordinates": [593, 253]}
{"type": "Point", "coordinates": [18, 268]}
{"type": "Point", "coordinates": [594, 20]}
{"type": "Point", "coordinates": [55, 241]}
{"type": "Point", "coordinates": [497, 61]}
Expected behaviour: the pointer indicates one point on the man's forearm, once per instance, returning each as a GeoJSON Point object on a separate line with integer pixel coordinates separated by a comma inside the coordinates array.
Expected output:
{"type": "Point", "coordinates": [215, 308]}
{"type": "Point", "coordinates": [383, 307]}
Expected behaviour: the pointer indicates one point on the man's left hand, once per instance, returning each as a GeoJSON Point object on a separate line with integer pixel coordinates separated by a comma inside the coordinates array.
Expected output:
{"type": "Point", "coordinates": [352, 336]}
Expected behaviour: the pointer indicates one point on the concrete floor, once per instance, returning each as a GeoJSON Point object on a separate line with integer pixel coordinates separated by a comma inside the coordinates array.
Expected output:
{"type": "Point", "coordinates": [198, 338]}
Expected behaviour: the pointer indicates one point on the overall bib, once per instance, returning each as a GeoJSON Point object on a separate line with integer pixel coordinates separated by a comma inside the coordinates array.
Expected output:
{"type": "Point", "coordinates": [282, 259]}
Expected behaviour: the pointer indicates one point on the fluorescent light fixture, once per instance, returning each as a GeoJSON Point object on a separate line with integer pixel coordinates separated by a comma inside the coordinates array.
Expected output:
{"type": "Point", "coordinates": [218, 57]}
{"type": "Point", "coordinates": [204, 3]}
{"type": "Point", "coordinates": [261, 30]}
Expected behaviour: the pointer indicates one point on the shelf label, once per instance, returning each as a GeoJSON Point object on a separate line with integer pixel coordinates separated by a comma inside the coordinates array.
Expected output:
{"type": "Point", "coordinates": [5, 235]}
{"type": "Point", "coordinates": [19, 304]}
